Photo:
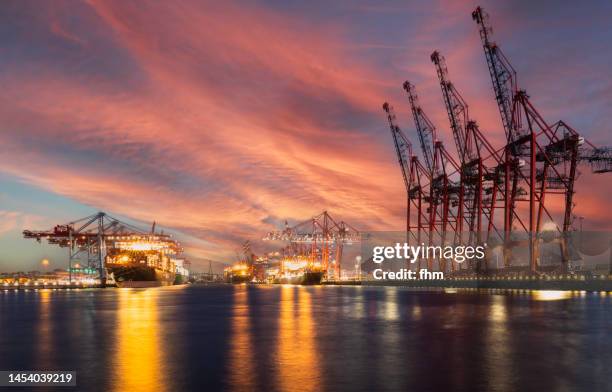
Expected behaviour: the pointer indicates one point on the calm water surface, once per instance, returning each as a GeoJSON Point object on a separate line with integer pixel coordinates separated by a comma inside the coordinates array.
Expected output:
{"type": "Point", "coordinates": [290, 338]}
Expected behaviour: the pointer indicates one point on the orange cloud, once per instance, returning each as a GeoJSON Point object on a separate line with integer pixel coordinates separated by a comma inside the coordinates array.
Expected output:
{"type": "Point", "coordinates": [222, 121]}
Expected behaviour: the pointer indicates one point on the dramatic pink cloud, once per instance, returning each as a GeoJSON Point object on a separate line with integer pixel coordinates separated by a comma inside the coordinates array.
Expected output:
{"type": "Point", "coordinates": [222, 120]}
{"type": "Point", "coordinates": [17, 220]}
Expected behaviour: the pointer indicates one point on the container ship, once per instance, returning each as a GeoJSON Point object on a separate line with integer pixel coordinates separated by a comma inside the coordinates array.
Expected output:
{"type": "Point", "coordinates": [140, 268]}
{"type": "Point", "coordinates": [240, 272]}
{"type": "Point", "coordinates": [300, 270]}
{"type": "Point", "coordinates": [275, 268]}
{"type": "Point", "coordinates": [302, 277]}
{"type": "Point", "coordinates": [131, 257]}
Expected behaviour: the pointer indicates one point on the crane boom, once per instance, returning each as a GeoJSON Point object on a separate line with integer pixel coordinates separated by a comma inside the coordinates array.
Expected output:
{"type": "Point", "coordinates": [425, 128]}
{"type": "Point", "coordinates": [503, 75]}
{"type": "Point", "coordinates": [456, 107]}
{"type": "Point", "coordinates": [403, 147]}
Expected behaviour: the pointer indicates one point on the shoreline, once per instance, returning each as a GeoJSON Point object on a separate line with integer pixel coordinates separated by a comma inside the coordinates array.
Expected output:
{"type": "Point", "coordinates": [604, 284]}
{"type": "Point", "coordinates": [590, 285]}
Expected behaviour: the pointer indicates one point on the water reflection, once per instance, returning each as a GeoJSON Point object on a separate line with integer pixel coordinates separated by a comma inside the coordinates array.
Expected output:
{"type": "Point", "coordinates": [358, 309]}
{"type": "Point", "coordinates": [296, 338]}
{"type": "Point", "coordinates": [298, 358]}
{"type": "Point", "coordinates": [391, 338]}
{"type": "Point", "coordinates": [498, 312]}
{"type": "Point", "coordinates": [241, 351]}
{"type": "Point", "coordinates": [139, 359]}
{"type": "Point", "coordinates": [550, 295]}
{"type": "Point", "coordinates": [497, 345]}
{"type": "Point", "coordinates": [44, 326]}
{"type": "Point", "coordinates": [416, 312]}
{"type": "Point", "coordinates": [391, 311]}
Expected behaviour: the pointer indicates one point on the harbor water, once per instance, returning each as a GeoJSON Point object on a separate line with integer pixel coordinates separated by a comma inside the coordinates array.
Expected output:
{"type": "Point", "coordinates": [294, 338]}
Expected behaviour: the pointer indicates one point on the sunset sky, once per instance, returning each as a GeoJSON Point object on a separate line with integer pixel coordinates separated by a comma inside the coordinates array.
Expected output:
{"type": "Point", "coordinates": [220, 120]}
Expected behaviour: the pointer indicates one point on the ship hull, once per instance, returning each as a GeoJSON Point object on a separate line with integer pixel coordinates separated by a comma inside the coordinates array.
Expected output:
{"type": "Point", "coordinates": [138, 276]}
{"type": "Point", "coordinates": [312, 277]}
{"type": "Point", "coordinates": [307, 279]}
{"type": "Point", "coordinates": [138, 284]}
{"type": "Point", "coordinates": [239, 279]}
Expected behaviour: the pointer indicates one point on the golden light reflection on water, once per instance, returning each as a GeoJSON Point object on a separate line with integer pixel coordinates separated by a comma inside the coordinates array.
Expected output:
{"type": "Point", "coordinates": [391, 308]}
{"type": "Point", "coordinates": [241, 352]}
{"type": "Point", "coordinates": [416, 312]}
{"type": "Point", "coordinates": [497, 345]}
{"type": "Point", "coordinates": [498, 313]}
{"type": "Point", "coordinates": [551, 295]}
{"type": "Point", "coordinates": [139, 358]}
{"type": "Point", "coordinates": [358, 310]}
{"type": "Point", "coordinates": [45, 341]}
{"type": "Point", "coordinates": [298, 360]}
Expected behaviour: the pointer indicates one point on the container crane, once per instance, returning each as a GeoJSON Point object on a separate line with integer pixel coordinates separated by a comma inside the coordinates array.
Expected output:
{"type": "Point", "coordinates": [324, 232]}
{"type": "Point", "coordinates": [414, 175]}
{"type": "Point", "coordinates": [476, 178]}
{"type": "Point", "coordinates": [540, 159]}
{"type": "Point", "coordinates": [445, 196]}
